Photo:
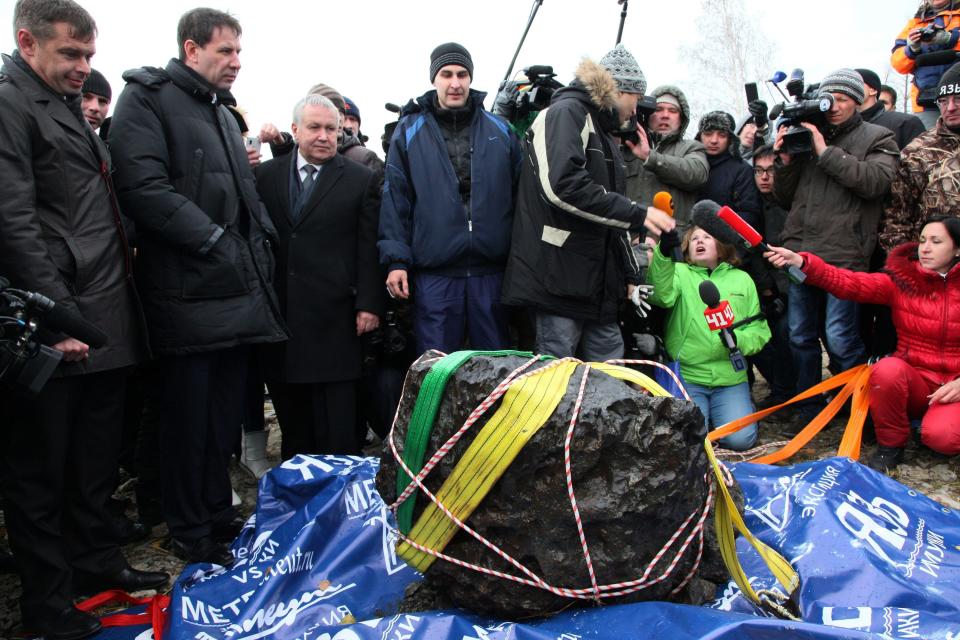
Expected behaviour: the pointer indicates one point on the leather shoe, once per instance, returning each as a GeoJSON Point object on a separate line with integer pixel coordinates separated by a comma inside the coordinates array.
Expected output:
{"type": "Point", "coordinates": [127, 579]}
{"type": "Point", "coordinates": [69, 624]}
{"type": "Point", "coordinates": [202, 550]}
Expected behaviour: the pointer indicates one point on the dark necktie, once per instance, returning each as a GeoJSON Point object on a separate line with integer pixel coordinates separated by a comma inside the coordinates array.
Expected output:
{"type": "Point", "coordinates": [305, 188]}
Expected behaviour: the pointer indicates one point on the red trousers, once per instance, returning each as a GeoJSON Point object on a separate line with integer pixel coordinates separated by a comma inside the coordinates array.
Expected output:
{"type": "Point", "coordinates": [899, 393]}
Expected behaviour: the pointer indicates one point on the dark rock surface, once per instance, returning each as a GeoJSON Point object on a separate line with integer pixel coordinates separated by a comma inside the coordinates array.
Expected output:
{"type": "Point", "coordinates": [638, 468]}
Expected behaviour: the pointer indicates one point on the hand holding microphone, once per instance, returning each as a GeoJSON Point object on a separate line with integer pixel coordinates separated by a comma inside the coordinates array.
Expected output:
{"type": "Point", "coordinates": [669, 240]}
{"type": "Point", "coordinates": [719, 317]}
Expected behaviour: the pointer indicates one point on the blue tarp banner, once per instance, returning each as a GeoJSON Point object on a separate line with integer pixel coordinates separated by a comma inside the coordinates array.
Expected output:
{"type": "Point", "coordinates": [316, 562]}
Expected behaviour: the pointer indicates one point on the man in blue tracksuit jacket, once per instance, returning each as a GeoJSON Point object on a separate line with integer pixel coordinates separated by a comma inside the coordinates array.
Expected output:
{"type": "Point", "coordinates": [447, 209]}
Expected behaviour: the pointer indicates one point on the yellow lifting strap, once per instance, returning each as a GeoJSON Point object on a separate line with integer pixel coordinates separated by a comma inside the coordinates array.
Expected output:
{"type": "Point", "coordinates": [525, 408]}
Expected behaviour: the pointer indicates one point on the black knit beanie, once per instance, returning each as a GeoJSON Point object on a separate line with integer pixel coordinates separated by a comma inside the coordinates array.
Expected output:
{"type": "Point", "coordinates": [949, 84]}
{"type": "Point", "coordinates": [97, 85]}
{"type": "Point", "coordinates": [450, 53]}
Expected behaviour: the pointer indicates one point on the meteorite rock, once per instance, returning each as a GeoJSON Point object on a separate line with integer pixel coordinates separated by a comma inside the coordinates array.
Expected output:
{"type": "Point", "coordinates": [638, 468]}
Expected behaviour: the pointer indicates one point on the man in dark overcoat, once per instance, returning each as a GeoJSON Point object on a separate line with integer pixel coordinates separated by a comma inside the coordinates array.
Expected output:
{"type": "Point", "coordinates": [325, 208]}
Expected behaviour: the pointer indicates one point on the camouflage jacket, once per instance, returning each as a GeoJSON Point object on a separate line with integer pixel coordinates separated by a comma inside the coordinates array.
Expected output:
{"type": "Point", "coordinates": [927, 183]}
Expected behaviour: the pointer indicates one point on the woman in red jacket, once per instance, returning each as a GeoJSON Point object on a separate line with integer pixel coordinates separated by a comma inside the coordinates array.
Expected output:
{"type": "Point", "coordinates": [921, 284]}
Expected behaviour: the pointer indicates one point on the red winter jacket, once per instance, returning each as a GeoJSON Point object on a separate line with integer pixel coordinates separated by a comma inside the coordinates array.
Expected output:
{"type": "Point", "coordinates": [924, 304]}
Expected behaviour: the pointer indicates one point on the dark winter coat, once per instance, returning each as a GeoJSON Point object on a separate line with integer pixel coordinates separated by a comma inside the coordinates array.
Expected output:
{"type": "Point", "coordinates": [731, 184]}
{"type": "Point", "coordinates": [835, 200]}
{"type": "Point", "coordinates": [327, 268]}
{"type": "Point", "coordinates": [425, 224]}
{"type": "Point", "coordinates": [925, 306]}
{"type": "Point", "coordinates": [905, 126]}
{"type": "Point", "coordinates": [204, 256]}
{"type": "Point", "coordinates": [674, 165]}
{"type": "Point", "coordinates": [571, 252]}
{"type": "Point", "coordinates": [61, 232]}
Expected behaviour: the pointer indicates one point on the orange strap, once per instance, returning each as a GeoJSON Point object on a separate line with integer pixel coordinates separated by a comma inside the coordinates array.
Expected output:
{"type": "Point", "coordinates": [854, 382]}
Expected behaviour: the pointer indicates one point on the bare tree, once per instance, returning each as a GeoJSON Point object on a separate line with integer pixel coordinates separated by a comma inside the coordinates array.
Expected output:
{"type": "Point", "coordinates": [731, 51]}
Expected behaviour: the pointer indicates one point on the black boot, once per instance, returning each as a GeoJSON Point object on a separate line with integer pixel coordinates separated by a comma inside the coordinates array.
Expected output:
{"type": "Point", "coordinates": [886, 459]}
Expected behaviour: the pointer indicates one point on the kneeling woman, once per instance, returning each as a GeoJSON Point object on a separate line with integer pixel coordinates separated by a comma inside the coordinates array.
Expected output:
{"type": "Point", "coordinates": [921, 284]}
{"type": "Point", "coordinates": [721, 392]}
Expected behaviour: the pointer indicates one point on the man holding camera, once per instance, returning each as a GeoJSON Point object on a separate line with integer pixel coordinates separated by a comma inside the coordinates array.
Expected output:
{"type": "Point", "coordinates": [62, 238]}
{"type": "Point", "coordinates": [204, 268]}
{"type": "Point", "coordinates": [663, 160]}
{"type": "Point", "coordinates": [834, 196]}
{"type": "Point", "coordinates": [571, 259]}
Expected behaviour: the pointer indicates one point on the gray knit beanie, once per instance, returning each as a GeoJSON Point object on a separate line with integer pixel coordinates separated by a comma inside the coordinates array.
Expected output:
{"type": "Point", "coordinates": [450, 53]}
{"type": "Point", "coordinates": [624, 68]}
{"type": "Point", "coordinates": [845, 81]}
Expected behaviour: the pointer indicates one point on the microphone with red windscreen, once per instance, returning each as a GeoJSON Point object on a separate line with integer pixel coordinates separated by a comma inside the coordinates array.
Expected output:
{"type": "Point", "coordinates": [753, 240]}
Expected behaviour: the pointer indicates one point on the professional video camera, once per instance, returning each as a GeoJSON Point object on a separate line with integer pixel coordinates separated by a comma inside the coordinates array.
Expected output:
{"type": "Point", "coordinates": [519, 101]}
{"type": "Point", "coordinates": [645, 109]}
{"type": "Point", "coordinates": [808, 106]}
{"type": "Point", "coordinates": [25, 364]}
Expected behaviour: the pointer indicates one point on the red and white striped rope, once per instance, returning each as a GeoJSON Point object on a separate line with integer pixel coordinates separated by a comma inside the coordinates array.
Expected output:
{"type": "Point", "coordinates": [660, 365]}
{"type": "Point", "coordinates": [475, 415]}
{"type": "Point", "coordinates": [596, 591]}
{"type": "Point", "coordinates": [568, 470]}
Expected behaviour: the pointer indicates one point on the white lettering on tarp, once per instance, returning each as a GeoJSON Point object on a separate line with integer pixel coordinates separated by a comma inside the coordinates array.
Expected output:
{"type": "Point", "coordinates": [360, 496]}
{"type": "Point", "coordinates": [198, 611]}
{"type": "Point", "coordinates": [388, 539]}
{"type": "Point", "coordinates": [234, 605]}
{"type": "Point", "coordinates": [306, 465]}
{"type": "Point", "coordinates": [334, 617]}
{"type": "Point", "coordinates": [858, 618]}
{"type": "Point", "coordinates": [933, 554]}
{"type": "Point", "coordinates": [145, 635]}
{"type": "Point", "coordinates": [818, 491]}
{"type": "Point", "coordinates": [908, 623]}
{"type": "Point", "coordinates": [880, 523]}
{"type": "Point", "coordinates": [569, 636]}
{"type": "Point", "coordinates": [265, 622]}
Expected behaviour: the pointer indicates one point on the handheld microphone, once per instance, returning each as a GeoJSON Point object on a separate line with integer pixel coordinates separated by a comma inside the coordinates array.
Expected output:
{"type": "Point", "coordinates": [664, 201]}
{"type": "Point", "coordinates": [752, 239]}
{"type": "Point", "coordinates": [64, 320]}
{"type": "Point", "coordinates": [778, 77]}
{"type": "Point", "coordinates": [704, 215]}
{"type": "Point", "coordinates": [719, 318]}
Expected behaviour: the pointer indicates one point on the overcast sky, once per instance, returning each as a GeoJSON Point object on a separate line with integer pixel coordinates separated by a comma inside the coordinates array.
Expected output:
{"type": "Point", "coordinates": [378, 51]}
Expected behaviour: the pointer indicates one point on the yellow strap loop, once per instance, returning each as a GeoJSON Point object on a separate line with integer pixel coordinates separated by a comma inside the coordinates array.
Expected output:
{"type": "Point", "coordinates": [526, 406]}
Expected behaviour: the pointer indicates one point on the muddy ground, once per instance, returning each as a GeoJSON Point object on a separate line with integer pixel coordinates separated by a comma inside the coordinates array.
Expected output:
{"type": "Point", "coordinates": [932, 474]}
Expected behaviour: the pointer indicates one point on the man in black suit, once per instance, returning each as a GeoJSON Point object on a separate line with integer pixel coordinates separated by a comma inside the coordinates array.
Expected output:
{"type": "Point", "coordinates": [325, 208]}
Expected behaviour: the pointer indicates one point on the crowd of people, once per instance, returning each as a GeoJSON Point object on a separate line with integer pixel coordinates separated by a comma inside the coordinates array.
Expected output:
{"type": "Point", "coordinates": [323, 271]}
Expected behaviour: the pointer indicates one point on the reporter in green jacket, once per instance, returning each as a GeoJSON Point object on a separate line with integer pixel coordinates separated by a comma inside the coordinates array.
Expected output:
{"type": "Point", "coordinates": [721, 392]}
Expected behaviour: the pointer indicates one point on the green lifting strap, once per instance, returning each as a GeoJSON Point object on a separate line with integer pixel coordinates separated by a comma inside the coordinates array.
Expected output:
{"type": "Point", "coordinates": [421, 421]}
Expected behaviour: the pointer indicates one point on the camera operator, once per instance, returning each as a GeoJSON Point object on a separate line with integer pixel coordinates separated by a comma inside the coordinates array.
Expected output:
{"type": "Point", "coordinates": [919, 189]}
{"type": "Point", "coordinates": [935, 27]}
{"type": "Point", "coordinates": [62, 237]}
{"type": "Point", "coordinates": [663, 160]}
{"type": "Point", "coordinates": [835, 198]}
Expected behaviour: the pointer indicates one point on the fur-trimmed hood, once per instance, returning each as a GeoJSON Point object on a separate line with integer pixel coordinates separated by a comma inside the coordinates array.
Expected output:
{"type": "Point", "coordinates": [599, 84]}
{"type": "Point", "coordinates": [684, 105]}
{"type": "Point", "coordinates": [904, 269]}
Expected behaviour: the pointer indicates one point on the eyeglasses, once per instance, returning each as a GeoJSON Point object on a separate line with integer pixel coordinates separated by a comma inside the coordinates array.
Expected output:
{"type": "Point", "coordinates": [943, 103]}
{"type": "Point", "coordinates": [759, 171]}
